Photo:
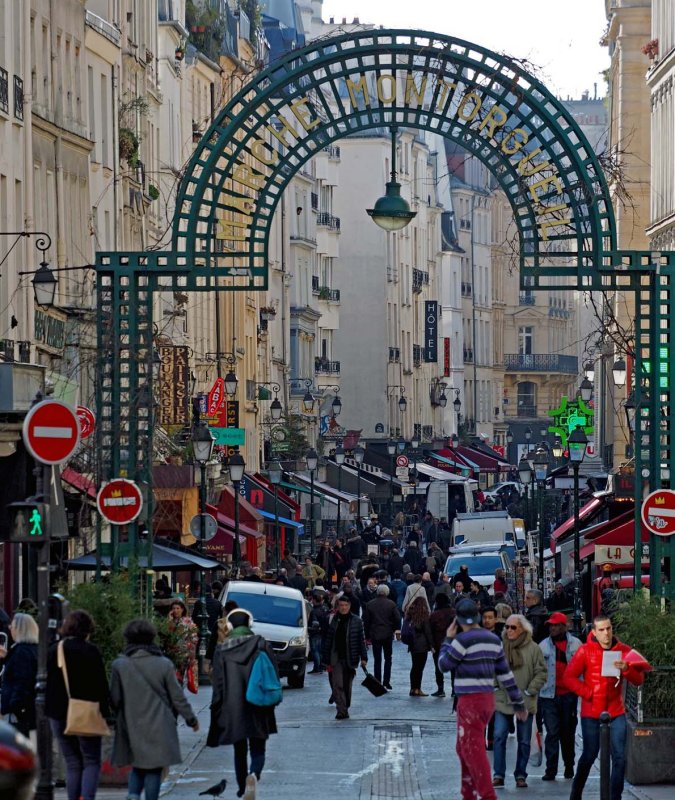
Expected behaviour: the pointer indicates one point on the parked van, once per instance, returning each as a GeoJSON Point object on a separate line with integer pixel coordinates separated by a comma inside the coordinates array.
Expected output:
{"type": "Point", "coordinates": [482, 561]}
{"type": "Point", "coordinates": [459, 492]}
{"type": "Point", "coordinates": [487, 526]}
{"type": "Point", "coordinates": [280, 616]}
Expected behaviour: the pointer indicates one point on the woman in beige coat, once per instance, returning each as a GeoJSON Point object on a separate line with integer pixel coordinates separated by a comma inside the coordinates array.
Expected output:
{"type": "Point", "coordinates": [529, 669]}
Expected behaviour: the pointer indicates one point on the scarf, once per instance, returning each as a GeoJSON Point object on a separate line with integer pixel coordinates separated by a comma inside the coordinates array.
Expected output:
{"type": "Point", "coordinates": [153, 649]}
{"type": "Point", "coordinates": [513, 651]}
{"type": "Point", "coordinates": [242, 630]}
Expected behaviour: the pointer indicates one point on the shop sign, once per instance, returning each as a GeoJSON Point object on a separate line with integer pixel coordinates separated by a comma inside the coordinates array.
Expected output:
{"type": "Point", "coordinates": [174, 377]}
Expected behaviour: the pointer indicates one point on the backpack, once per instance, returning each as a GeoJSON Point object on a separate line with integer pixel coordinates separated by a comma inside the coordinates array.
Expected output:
{"type": "Point", "coordinates": [264, 687]}
{"type": "Point", "coordinates": [407, 632]}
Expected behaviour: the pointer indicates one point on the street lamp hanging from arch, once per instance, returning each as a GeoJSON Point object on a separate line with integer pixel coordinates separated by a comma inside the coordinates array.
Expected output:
{"type": "Point", "coordinates": [391, 211]}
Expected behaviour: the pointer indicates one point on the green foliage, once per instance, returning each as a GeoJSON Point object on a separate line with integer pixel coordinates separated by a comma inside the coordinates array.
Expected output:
{"type": "Point", "coordinates": [640, 623]}
{"type": "Point", "coordinates": [128, 145]}
{"type": "Point", "coordinates": [297, 441]}
{"type": "Point", "coordinates": [207, 28]}
{"type": "Point", "coordinates": [153, 192]}
{"type": "Point", "coordinates": [253, 11]}
{"type": "Point", "coordinates": [112, 606]}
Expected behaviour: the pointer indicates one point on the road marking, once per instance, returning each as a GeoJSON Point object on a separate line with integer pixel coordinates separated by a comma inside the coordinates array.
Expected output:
{"type": "Point", "coordinates": [393, 756]}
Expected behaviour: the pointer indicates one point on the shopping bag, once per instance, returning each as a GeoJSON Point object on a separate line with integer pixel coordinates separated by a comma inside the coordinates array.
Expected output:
{"type": "Point", "coordinates": [372, 684]}
{"type": "Point", "coordinates": [535, 746]}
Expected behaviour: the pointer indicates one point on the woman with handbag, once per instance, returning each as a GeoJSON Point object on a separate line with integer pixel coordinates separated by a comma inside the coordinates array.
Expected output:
{"type": "Point", "coordinates": [421, 643]}
{"type": "Point", "coordinates": [76, 681]}
{"type": "Point", "coordinates": [146, 698]}
{"type": "Point", "coordinates": [18, 678]}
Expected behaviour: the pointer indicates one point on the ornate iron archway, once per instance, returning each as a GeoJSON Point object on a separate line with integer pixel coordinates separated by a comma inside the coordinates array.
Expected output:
{"type": "Point", "coordinates": [480, 99]}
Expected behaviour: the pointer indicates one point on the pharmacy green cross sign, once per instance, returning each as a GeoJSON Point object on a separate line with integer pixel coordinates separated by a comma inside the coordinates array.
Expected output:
{"type": "Point", "coordinates": [366, 81]}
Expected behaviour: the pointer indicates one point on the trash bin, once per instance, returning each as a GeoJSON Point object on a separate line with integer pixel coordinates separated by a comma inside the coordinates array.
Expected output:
{"type": "Point", "coordinates": [19, 765]}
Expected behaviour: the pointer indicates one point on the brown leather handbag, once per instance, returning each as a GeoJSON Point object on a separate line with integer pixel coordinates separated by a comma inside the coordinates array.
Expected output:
{"type": "Point", "coordinates": [84, 717]}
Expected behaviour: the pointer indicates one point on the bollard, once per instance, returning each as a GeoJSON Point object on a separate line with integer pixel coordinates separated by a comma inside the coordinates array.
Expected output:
{"type": "Point", "coordinates": [605, 721]}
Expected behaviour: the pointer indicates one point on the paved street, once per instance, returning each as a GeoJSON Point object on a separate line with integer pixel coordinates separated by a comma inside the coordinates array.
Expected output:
{"type": "Point", "coordinates": [392, 747]}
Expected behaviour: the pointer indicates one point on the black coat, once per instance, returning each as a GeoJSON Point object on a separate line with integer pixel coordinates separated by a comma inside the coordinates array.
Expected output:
{"type": "Point", "coordinates": [356, 642]}
{"type": "Point", "coordinates": [18, 685]}
{"type": "Point", "coordinates": [232, 717]}
{"type": "Point", "coordinates": [464, 578]}
{"type": "Point", "coordinates": [381, 618]}
{"type": "Point", "coordinates": [86, 677]}
{"type": "Point", "coordinates": [395, 565]}
{"type": "Point", "coordinates": [424, 640]}
{"type": "Point", "coordinates": [537, 616]}
{"type": "Point", "coordinates": [414, 559]}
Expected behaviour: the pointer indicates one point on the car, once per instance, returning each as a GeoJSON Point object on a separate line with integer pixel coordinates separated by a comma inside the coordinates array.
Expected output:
{"type": "Point", "coordinates": [280, 616]}
{"type": "Point", "coordinates": [503, 491]}
{"type": "Point", "coordinates": [482, 560]}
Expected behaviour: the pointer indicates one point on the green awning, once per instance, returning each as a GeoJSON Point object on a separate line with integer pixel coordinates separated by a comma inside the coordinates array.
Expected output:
{"type": "Point", "coordinates": [298, 488]}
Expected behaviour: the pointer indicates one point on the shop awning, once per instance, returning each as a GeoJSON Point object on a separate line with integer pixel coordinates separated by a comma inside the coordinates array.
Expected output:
{"type": "Point", "coordinates": [618, 532]}
{"type": "Point", "coordinates": [226, 522]}
{"type": "Point", "coordinates": [79, 481]}
{"type": "Point", "coordinates": [484, 462]}
{"type": "Point", "coordinates": [164, 559]}
{"type": "Point", "coordinates": [439, 474]}
{"type": "Point", "coordinates": [568, 526]}
{"type": "Point", "coordinates": [457, 462]}
{"type": "Point", "coordinates": [297, 488]}
{"type": "Point", "coordinates": [285, 521]}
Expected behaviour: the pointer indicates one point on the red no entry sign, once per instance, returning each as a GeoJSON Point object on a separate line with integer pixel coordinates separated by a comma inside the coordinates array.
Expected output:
{"type": "Point", "coordinates": [87, 421]}
{"type": "Point", "coordinates": [402, 461]}
{"type": "Point", "coordinates": [119, 502]}
{"type": "Point", "coordinates": [658, 512]}
{"type": "Point", "coordinates": [51, 432]}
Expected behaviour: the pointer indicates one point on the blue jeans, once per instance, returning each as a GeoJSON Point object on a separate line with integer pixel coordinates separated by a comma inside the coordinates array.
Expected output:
{"type": "Point", "coordinates": [590, 731]}
{"type": "Point", "coordinates": [82, 755]}
{"type": "Point", "coordinates": [523, 735]}
{"type": "Point", "coordinates": [560, 720]}
{"type": "Point", "coordinates": [241, 749]}
{"type": "Point", "coordinates": [315, 647]}
{"type": "Point", "coordinates": [148, 779]}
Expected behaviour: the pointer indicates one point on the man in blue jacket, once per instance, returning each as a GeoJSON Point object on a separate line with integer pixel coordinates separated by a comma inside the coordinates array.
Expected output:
{"type": "Point", "coordinates": [343, 647]}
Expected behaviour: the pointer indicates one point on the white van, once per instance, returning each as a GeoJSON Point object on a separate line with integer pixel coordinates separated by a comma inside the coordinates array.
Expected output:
{"type": "Point", "coordinates": [280, 616]}
{"type": "Point", "coordinates": [439, 494]}
{"type": "Point", "coordinates": [482, 560]}
{"type": "Point", "coordinates": [487, 526]}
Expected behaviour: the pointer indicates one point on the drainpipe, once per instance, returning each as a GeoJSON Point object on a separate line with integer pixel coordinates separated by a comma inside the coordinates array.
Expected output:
{"type": "Point", "coordinates": [29, 183]}
{"type": "Point", "coordinates": [474, 324]}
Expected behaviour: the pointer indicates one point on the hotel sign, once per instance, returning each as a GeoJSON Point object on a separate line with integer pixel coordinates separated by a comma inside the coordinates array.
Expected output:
{"type": "Point", "coordinates": [430, 331]}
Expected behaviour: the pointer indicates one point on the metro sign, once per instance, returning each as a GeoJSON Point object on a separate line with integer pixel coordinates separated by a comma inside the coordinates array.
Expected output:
{"type": "Point", "coordinates": [658, 512]}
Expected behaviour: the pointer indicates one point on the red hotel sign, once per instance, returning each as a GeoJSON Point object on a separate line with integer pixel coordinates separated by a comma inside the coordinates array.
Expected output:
{"type": "Point", "coordinates": [446, 357]}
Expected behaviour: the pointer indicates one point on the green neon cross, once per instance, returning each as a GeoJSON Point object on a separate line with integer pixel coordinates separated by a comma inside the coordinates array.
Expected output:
{"type": "Point", "coordinates": [36, 521]}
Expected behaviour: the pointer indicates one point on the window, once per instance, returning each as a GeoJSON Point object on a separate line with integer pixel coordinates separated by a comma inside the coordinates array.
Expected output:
{"type": "Point", "coordinates": [525, 336]}
{"type": "Point", "coordinates": [527, 399]}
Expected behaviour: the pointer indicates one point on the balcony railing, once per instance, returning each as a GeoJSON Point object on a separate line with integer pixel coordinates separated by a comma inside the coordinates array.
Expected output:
{"type": "Point", "coordinates": [394, 354]}
{"type": "Point", "coordinates": [527, 411]}
{"type": "Point", "coordinates": [18, 97]}
{"type": "Point", "coordinates": [315, 284]}
{"type": "Point", "coordinates": [4, 91]}
{"type": "Point", "coordinates": [315, 201]}
{"type": "Point", "coordinates": [322, 366]}
{"type": "Point", "coordinates": [326, 220]}
{"type": "Point", "coordinates": [526, 299]}
{"type": "Point", "coordinates": [418, 353]}
{"type": "Point", "coordinates": [427, 432]}
{"type": "Point", "coordinates": [468, 355]}
{"type": "Point", "coordinates": [419, 280]}
{"type": "Point", "coordinates": [466, 290]}
{"type": "Point", "coordinates": [542, 362]}
{"type": "Point", "coordinates": [333, 151]}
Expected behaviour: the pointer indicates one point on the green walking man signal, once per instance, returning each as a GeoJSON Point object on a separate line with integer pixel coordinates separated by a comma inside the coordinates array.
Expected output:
{"type": "Point", "coordinates": [27, 522]}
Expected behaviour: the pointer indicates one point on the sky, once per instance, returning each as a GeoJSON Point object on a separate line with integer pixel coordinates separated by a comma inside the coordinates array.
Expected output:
{"type": "Point", "coordinates": [564, 46]}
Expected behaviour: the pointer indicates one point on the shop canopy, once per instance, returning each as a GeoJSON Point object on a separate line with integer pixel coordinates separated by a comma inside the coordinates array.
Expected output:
{"type": "Point", "coordinates": [164, 559]}
{"type": "Point", "coordinates": [585, 513]}
{"type": "Point", "coordinates": [617, 532]}
{"type": "Point", "coordinates": [284, 521]}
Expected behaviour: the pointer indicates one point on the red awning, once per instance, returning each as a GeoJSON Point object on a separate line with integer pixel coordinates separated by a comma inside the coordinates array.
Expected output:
{"type": "Point", "coordinates": [619, 532]}
{"type": "Point", "coordinates": [584, 512]}
{"type": "Point", "coordinates": [484, 462]}
{"type": "Point", "coordinates": [455, 457]}
{"type": "Point", "coordinates": [228, 524]}
{"type": "Point", "coordinates": [78, 481]}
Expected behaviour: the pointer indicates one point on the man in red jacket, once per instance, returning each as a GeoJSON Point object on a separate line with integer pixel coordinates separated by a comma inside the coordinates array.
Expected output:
{"type": "Point", "coordinates": [601, 691]}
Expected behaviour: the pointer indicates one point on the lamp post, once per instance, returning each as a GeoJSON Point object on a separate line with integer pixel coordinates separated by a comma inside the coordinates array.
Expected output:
{"type": "Point", "coordinates": [202, 447]}
{"type": "Point", "coordinates": [540, 473]}
{"type": "Point", "coordinates": [274, 473]}
{"type": "Point", "coordinates": [525, 475]}
{"type": "Point", "coordinates": [577, 446]}
{"type": "Point", "coordinates": [237, 467]}
{"type": "Point", "coordinates": [392, 212]}
{"type": "Point", "coordinates": [391, 450]}
{"type": "Point", "coordinates": [339, 460]}
{"type": "Point", "coordinates": [359, 453]}
{"type": "Point", "coordinates": [312, 461]}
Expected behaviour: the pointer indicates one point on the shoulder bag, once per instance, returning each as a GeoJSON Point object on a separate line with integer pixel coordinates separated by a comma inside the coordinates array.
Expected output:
{"type": "Point", "coordinates": [84, 717]}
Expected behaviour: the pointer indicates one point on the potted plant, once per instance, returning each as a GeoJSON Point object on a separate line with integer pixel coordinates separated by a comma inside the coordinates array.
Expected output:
{"type": "Point", "coordinates": [128, 145]}
{"type": "Point", "coordinates": [650, 709]}
{"type": "Point", "coordinates": [268, 313]}
{"type": "Point", "coordinates": [651, 49]}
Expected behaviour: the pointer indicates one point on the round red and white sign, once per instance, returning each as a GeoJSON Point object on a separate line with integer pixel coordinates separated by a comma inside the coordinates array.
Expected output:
{"type": "Point", "coordinates": [402, 461]}
{"type": "Point", "coordinates": [87, 421]}
{"type": "Point", "coordinates": [658, 512]}
{"type": "Point", "coordinates": [51, 432]}
{"type": "Point", "coordinates": [119, 501]}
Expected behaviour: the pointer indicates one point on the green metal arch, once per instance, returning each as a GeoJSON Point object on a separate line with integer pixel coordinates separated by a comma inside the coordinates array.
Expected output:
{"type": "Point", "coordinates": [482, 100]}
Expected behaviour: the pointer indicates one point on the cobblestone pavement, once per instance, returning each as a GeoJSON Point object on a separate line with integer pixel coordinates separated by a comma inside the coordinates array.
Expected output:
{"type": "Point", "coordinates": [391, 747]}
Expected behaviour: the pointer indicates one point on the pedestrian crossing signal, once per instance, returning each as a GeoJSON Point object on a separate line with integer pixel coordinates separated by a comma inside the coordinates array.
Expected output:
{"type": "Point", "coordinates": [28, 522]}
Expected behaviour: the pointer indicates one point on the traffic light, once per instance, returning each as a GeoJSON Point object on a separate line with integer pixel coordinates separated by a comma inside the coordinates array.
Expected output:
{"type": "Point", "coordinates": [28, 521]}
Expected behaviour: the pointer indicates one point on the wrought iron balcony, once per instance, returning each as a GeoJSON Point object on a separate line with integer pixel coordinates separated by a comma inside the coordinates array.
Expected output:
{"type": "Point", "coordinates": [542, 362]}
{"type": "Point", "coordinates": [4, 91]}
{"type": "Point", "coordinates": [322, 366]}
{"type": "Point", "coordinates": [468, 355]}
{"type": "Point", "coordinates": [18, 97]}
{"type": "Point", "coordinates": [333, 151]}
{"type": "Point", "coordinates": [419, 280]}
{"type": "Point", "coordinates": [326, 220]}
{"type": "Point", "coordinates": [526, 299]}
{"type": "Point", "coordinates": [418, 354]}
{"type": "Point", "coordinates": [466, 290]}
{"type": "Point", "coordinates": [324, 292]}
{"type": "Point", "coordinates": [315, 201]}
{"type": "Point", "coordinates": [394, 354]}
